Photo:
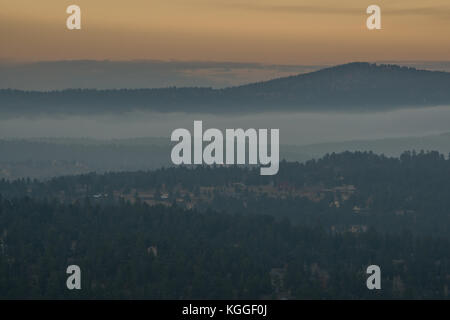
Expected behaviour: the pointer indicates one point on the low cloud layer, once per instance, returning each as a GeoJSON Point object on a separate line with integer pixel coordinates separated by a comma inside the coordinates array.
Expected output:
{"type": "Point", "coordinates": [57, 75]}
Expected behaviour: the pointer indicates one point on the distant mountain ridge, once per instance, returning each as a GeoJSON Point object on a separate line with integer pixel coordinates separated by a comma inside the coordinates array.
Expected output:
{"type": "Point", "coordinates": [47, 157]}
{"type": "Point", "coordinates": [355, 87]}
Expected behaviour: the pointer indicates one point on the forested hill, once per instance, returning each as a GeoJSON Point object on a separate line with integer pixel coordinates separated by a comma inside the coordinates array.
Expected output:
{"type": "Point", "coordinates": [133, 251]}
{"type": "Point", "coordinates": [355, 86]}
{"type": "Point", "coordinates": [228, 233]}
{"type": "Point", "coordinates": [338, 191]}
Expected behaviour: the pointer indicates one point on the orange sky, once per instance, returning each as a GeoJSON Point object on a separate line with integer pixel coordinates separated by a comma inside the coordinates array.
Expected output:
{"type": "Point", "coordinates": [268, 31]}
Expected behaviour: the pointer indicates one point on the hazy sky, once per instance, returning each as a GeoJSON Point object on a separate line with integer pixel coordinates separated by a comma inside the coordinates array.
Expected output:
{"type": "Point", "coordinates": [265, 31]}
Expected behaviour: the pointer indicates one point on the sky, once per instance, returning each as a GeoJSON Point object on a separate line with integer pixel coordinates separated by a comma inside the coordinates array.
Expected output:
{"type": "Point", "coordinates": [308, 32]}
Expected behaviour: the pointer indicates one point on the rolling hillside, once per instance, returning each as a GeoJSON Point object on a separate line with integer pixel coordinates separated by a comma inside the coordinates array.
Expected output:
{"type": "Point", "coordinates": [351, 87]}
